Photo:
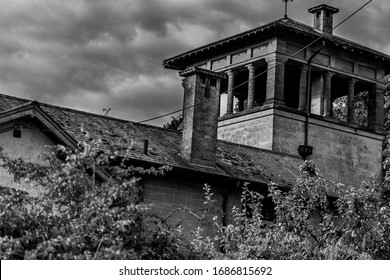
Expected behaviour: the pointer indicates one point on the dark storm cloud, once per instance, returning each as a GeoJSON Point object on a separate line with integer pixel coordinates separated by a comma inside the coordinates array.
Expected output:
{"type": "Point", "coordinates": [96, 54]}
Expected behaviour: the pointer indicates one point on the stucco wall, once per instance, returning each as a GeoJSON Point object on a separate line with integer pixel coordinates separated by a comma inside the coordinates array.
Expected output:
{"type": "Point", "coordinates": [29, 147]}
{"type": "Point", "coordinates": [342, 153]}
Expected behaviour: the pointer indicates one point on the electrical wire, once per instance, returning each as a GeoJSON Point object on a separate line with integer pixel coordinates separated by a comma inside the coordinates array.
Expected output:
{"type": "Point", "coordinates": [262, 73]}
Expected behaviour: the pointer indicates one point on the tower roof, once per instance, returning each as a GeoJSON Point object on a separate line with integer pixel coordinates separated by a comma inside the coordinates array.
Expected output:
{"type": "Point", "coordinates": [178, 62]}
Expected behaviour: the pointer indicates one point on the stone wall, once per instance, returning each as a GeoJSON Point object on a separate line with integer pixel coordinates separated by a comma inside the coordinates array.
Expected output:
{"type": "Point", "coordinates": [249, 129]}
{"type": "Point", "coordinates": [167, 195]}
{"type": "Point", "coordinates": [343, 153]}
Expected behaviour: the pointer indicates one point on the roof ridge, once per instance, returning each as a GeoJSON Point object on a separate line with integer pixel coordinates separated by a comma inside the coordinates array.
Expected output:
{"type": "Point", "coordinates": [31, 101]}
{"type": "Point", "coordinates": [15, 97]}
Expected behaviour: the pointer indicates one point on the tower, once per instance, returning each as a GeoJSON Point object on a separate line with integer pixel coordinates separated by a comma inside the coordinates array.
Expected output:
{"type": "Point", "coordinates": [281, 95]}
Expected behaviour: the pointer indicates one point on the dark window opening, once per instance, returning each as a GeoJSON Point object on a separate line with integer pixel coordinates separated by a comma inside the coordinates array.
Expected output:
{"type": "Point", "coordinates": [291, 86]}
{"type": "Point", "coordinates": [241, 89]}
{"type": "Point", "coordinates": [332, 205]}
{"type": "Point", "coordinates": [251, 202]}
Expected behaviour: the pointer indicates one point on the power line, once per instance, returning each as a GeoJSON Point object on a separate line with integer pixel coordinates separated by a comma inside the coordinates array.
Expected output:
{"type": "Point", "coordinates": [272, 67]}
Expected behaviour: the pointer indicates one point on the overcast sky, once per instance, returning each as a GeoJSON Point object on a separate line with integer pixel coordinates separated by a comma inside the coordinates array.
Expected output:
{"type": "Point", "coordinates": [95, 54]}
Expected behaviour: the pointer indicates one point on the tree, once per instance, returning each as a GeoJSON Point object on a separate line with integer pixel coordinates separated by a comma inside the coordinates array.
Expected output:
{"type": "Point", "coordinates": [80, 216]}
{"type": "Point", "coordinates": [308, 224]}
{"type": "Point", "coordinates": [340, 108]}
{"type": "Point", "coordinates": [83, 214]}
{"type": "Point", "coordinates": [175, 123]}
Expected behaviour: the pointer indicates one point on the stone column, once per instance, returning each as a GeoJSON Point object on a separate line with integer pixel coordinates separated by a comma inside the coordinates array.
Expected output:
{"type": "Point", "coordinates": [275, 81]}
{"type": "Point", "coordinates": [251, 86]}
{"type": "Point", "coordinates": [351, 99]}
{"type": "Point", "coordinates": [303, 88]}
{"type": "Point", "coordinates": [231, 74]}
{"type": "Point", "coordinates": [376, 108]}
{"type": "Point", "coordinates": [327, 94]}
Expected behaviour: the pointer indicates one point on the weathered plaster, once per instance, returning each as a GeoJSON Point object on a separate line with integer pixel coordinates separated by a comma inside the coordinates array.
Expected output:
{"type": "Point", "coordinates": [29, 147]}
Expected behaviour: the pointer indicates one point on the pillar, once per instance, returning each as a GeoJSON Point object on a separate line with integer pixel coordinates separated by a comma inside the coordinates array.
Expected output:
{"type": "Point", "coordinates": [303, 88]}
{"type": "Point", "coordinates": [376, 108]}
{"type": "Point", "coordinates": [231, 74]}
{"type": "Point", "coordinates": [351, 99]}
{"type": "Point", "coordinates": [317, 93]}
{"type": "Point", "coordinates": [327, 94]}
{"type": "Point", "coordinates": [251, 86]}
{"type": "Point", "coordinates": [275, 81]}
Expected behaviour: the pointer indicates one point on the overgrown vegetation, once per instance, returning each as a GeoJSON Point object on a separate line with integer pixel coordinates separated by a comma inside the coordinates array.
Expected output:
{"type": "Point", "coordinates": [174, 123]}
{"type": "Point", "coordinates": [81, 216]}
{"type": "Point", "coordinates": [308, 225]}
{"type": "Point", "coordinates": [340, 109]}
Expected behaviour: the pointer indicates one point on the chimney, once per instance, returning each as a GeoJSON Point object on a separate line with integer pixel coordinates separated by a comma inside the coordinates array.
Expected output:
{"type": "Point", "coordinates": [323, 18]}
{"type": "Point", "coordinates": [200, 115]}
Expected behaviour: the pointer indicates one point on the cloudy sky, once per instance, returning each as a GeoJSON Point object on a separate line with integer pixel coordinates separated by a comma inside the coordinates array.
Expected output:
{"type": "Point", "coordinates": [95, 54]}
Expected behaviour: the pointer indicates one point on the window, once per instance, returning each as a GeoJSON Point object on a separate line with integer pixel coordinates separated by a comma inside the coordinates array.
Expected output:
{"type": "Point", "coordinates": [252, 200]}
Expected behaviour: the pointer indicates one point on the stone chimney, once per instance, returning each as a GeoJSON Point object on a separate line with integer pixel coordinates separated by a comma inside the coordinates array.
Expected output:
{"type": "Point", "coordinates": [200, 115]}
{"type": "Point", "coordinates": [323, 18]}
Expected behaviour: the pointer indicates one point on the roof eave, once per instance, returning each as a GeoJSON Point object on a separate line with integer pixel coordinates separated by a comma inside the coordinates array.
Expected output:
{"type": "Point", "coordinates": [175, 62]}
{"type": "Point", "coordinates": [171, 63]}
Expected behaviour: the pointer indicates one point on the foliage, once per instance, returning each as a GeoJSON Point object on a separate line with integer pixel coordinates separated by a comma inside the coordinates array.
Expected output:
{"type": "Point", "coordinates": [84, 213]}
{"type": "Point", "coordinates": [80, 216]}
{"type": "Point", "coordinates": [175, 123]}
{"type": "Point", "coordinates": [243, 105]}
{"type": "Point", "coordinates": [340, 108]}
{"type": "Point", "coordinates": [308, 225]}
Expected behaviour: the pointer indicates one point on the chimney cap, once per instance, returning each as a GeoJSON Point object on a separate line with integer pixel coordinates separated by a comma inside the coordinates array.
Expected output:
{"type": "Point", "coordinates": [325, 7]}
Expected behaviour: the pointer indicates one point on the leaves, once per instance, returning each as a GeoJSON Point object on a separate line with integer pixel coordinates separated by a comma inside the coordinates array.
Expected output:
{"type": "Point", "coordinates": [308, 224]}
{"type": "Point", "coordinates": [80, 216]}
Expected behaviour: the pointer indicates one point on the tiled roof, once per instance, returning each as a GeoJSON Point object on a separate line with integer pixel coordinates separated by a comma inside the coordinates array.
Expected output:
{"type": "Point", "coordinates": [176, 62]}
{"type": "Point", "coordinates": [233, 160]}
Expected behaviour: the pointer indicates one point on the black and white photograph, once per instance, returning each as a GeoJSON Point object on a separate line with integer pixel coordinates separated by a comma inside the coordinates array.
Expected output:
{"type": "Point", "coordinates": [160, 134]}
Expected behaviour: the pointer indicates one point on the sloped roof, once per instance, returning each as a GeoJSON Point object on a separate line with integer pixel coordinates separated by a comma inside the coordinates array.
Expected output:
{"type": "Point", "coordinates": [176, 62]}
{"type": "Point", "coordinates": [233, 160]}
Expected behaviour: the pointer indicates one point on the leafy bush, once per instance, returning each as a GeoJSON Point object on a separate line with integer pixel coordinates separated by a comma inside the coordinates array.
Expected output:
{"type": "Point", "coordinates": [78, 215]}
{"type": "Point", "coordinates": [308, 224]}
{"type": "Point", "coordinates": [84, 213]}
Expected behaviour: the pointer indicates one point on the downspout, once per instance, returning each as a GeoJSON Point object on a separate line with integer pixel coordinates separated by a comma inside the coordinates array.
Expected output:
{"type": "Point", "coordinates": [305, 150]}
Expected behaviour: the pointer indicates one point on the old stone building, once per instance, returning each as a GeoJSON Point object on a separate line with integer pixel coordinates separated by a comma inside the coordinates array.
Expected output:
{"type": "Point", "coordinates": [275, 88]}
{"type": "Point", "coordinates": [282, 79]}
